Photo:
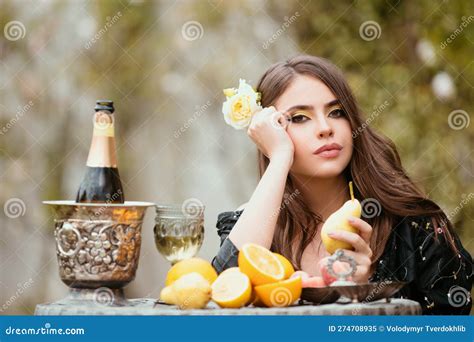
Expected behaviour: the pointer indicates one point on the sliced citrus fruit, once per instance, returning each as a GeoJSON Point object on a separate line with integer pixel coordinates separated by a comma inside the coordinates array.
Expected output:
{"type": "Point", "coordinates": [261, 265]}
{"type": "Point", "coordinates": [186, 266]}
{"type": "Point", "coordinates": [236, 269]}
{"type": "Point", "coordinates": [231, 269]}
{"type": "Point", "coordinates": [232, 289]}
{"type": "Point", "coordinates": [282, 293]}
{"type": "Point", "coordinates": [287, 266]}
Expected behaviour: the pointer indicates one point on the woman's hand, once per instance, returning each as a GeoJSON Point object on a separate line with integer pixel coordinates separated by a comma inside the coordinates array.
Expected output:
{"type": "Point", "coordinates": [268, 131]}
{"type": "Point", "coordinates": [362, 253]}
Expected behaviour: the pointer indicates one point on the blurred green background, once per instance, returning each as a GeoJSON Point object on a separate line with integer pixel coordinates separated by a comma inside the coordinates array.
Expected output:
{"type": "Point", "coordinates": [165, 63]}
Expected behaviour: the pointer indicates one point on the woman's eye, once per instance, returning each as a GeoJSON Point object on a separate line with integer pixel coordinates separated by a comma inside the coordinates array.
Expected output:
{"type": "Point", "coordinates": [299, 118]}
{"type": "Point", "coordinates": [337, 113]}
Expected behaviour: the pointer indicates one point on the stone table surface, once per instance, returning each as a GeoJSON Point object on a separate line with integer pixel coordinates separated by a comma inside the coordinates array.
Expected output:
{"type": "Point", "coordinates": [147, 306]}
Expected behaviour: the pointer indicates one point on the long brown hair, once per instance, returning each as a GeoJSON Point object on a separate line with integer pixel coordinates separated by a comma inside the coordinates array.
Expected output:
{"type": "Point", "coordinates": [375, 169]}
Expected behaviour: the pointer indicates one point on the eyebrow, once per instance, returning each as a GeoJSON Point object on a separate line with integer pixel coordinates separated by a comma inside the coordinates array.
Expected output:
{"type": "Point", "coordinates": [307, 107]}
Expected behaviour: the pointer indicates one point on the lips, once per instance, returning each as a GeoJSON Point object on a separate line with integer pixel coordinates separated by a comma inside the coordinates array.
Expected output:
{"type": "Point", "coordinates": [328, 147]}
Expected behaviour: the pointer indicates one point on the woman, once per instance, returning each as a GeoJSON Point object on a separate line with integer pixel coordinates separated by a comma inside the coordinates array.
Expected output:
{"type": "Point", "coordinates": [312, 141]}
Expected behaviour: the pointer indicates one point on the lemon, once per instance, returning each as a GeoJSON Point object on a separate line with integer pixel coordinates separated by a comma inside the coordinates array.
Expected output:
{"type": "Point", "coordinates": [236, 269]}
{"type": "Point", "coordinates": [260, 264]}
{"type": "Point", "coordinates": [282, 293]}
{"type": "Point", "coordinates": [232, 289]}
{"type": "Point", "coordinates": [186, 266]}
{"type": "Point", "coordinates": [231, 269]}
{"type": "Point", "coordinates": [287, 266]}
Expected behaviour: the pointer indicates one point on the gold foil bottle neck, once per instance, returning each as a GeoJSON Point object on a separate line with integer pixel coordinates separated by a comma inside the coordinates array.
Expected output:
{"type": "Point", "coordinates": [102, 151]}
{"type": "Point", "coordinates": [104, 124]}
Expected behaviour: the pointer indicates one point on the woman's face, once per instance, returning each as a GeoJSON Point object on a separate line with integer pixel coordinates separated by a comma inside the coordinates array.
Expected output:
{"type": "Point", "coordinates": [317, 119]}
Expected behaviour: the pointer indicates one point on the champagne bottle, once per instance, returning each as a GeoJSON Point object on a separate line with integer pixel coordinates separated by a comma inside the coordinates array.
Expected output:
{"type": "Point", "coordinates": [101, 182]}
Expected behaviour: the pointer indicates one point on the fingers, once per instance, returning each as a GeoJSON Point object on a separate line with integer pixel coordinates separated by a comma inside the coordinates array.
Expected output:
{"type": "Point", "coordinates": [270, 114]}
{"type": "Point", "coordinates": [363, 266]}
{"type": "Point", "coordinates": [363, 262]}
{"type": "Point", "coordinates": [284, 119]}
{"type": "Point", "coordinates": [362, 272]}
{"type": "Point", "coordinates": [267, 130]}
{"type": "Point", "coordinates": [360, 259]}
{"type": "Point", "coordinates": [278, 119]}
{"type": "Point", "coordinates": [359, 244]}
{"type": "Point", "coordinates": [263, 114]}
{"type": "Point", "coordinates": [365, 229]}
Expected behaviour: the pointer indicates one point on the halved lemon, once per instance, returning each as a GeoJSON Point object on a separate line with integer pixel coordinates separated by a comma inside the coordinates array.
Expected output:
{"type": "Point", "coordinates": [282, 293]}
{"type": "Point", "coordinates": [231, 269]}
{"type": "Point", "coordinates": [236, 269]}
{"type": "Point", "coordinates": [232, 289]}
{"type": "Point", "coordinates": [260, 264]}
{"type": "Point", "coordinates": [287, 266]}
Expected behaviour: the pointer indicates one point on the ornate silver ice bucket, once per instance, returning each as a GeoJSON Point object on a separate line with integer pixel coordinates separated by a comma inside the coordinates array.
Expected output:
{"type": "Point", "coordinates": [97, 244]}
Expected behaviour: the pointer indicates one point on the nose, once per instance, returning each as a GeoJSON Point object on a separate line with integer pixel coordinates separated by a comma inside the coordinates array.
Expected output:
{"type": "Point", "coordinates": [323, 129]}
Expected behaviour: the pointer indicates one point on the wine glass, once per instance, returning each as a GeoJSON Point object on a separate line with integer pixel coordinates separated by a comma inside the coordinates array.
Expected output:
{"type": "Point", "coordinates": [179, 230]}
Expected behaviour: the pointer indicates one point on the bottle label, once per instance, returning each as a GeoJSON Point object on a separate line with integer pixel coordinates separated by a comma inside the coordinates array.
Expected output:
{"type": "Point", "coordinates": [102, 152]}
{"type": "Point", "coordinates": [104, 131]}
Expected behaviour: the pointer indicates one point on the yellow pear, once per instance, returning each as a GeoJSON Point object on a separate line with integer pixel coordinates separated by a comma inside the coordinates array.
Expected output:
{"type": "Point", "coordinates": [191, 291]}
{"type": "Point", "coordinates": [167, 295]}
{"type": "Point", "coordinates": [338, 221]}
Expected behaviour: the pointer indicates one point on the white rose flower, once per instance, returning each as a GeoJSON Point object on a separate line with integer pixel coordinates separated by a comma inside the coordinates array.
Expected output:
{"type": "Point", "coordinates": [240, 106]}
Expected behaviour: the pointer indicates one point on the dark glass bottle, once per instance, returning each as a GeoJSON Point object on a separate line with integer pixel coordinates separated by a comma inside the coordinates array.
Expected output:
{"type": "Point", "coordinates": [101, 182]}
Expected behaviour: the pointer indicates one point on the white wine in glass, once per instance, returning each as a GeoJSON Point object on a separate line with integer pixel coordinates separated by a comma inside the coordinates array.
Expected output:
{"type": "Point", "coordinates": [179, 232]}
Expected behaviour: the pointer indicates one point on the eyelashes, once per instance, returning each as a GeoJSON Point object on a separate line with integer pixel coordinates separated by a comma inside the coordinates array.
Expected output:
{"type": "Point", "coordinates": [337, 113]}
{"type": "Point", "coordinates": [299, 117]}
